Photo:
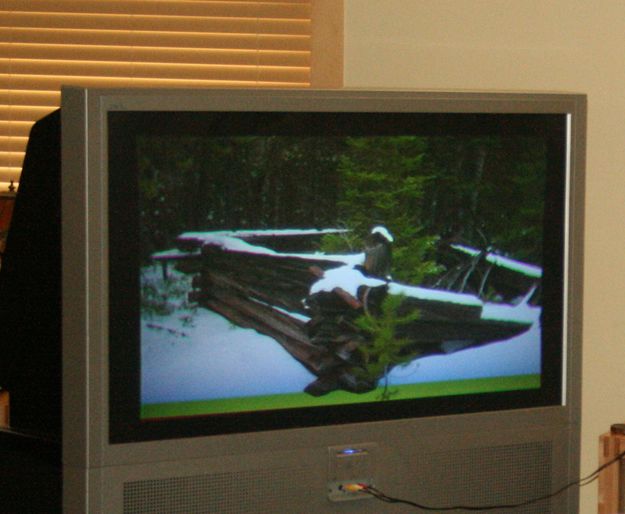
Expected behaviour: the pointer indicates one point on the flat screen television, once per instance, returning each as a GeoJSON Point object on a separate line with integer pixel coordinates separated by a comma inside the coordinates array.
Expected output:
{"type": "Point", "coordinates": [270, 295]}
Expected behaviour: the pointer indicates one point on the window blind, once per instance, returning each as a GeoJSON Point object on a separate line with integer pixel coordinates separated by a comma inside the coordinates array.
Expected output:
{"type": "Point", "coordinates": [140, 43]}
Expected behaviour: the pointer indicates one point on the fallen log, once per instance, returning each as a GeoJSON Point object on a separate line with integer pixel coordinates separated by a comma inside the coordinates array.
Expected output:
{"type": "Point", "coordinates": [261, 289]}
{"type": "Point", "coordinates": [333, 358]}
{"type": "Point", "coordinates": [289, 332]}
{"type": "Point", "coordinates": [281, 280]}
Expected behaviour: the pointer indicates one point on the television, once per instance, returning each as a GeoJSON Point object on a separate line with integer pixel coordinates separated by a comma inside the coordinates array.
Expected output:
{"type": "Point", "coordinates": [272, 295]}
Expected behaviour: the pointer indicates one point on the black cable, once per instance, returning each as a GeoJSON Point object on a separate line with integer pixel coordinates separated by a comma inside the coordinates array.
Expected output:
{"type": "Point", "coordinates": [376, 493]}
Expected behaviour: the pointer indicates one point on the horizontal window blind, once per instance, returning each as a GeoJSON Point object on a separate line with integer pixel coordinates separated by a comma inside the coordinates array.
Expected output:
{"type": "Point", "coordinates": [45, 44]}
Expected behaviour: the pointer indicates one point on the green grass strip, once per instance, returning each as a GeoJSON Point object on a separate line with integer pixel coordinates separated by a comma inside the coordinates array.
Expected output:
{"type": "Point", "coordinates": [298, 400]}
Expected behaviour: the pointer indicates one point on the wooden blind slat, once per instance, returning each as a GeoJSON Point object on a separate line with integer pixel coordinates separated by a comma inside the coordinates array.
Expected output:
{"type": "Point", "coordinates": [8, 143]}
{"type": "Point", "coordinates": [70, 37]}
{"type": "Point", "coordinates": [51, 83]}
{"type": "Point", "coordinates": [16, 97]}
{"type": "Point", "coordinates": [25, 113]}
{"type": "Point", "coordinates": [45, 44]}
{"type": "Point", "coordinates": [154, 69]}
{"type": "Point", "coordinates": [7, 175]}
{"type": "Point", "coordinates": [275, 8]}
{"type": "Point", "coordinates": [12, 145]}
{"type": "Point", "coordinates": [54, 75]}
{"type": "Point", "coordinates": [11, 160]}
{"type": "Point", "coordinates": [15, 128]}
{"type": "Point", "coordinates": [123, 22]}
{"type": "Point", "coordinates": [50, 53]}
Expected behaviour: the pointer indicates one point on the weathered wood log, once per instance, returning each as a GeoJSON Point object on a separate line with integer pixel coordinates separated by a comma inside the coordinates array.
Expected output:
{"type": "Point", "coordinates": [289, 332]}
{"type": "Point", "coordinates": [268, 292]}
{"type": "Point", "coordinates": [279, 280]}
{"type": "Point", "coordinates": [210, 280]}
{"type": "Point", "coordinates": [468, 272]}
{"type": "Point", "coordinates": [331, 358]}
{"type": "Point", "coordinates": [350, 300]}
{"type": "Point", "coordinates": [427, 335]}
{"type": "Point", "coordinates": [340, 379]}
{"type": "Point", "coordinates": [332, 329]}
{"type": "Point", "coordinates": [281, 240]}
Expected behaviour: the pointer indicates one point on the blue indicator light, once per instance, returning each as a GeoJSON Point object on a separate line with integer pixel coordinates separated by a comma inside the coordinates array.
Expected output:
{"type": "Point", "coordinates": [352, 451]}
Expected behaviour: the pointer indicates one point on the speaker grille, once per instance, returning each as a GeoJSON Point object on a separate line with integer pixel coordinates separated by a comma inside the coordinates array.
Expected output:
{"type": "Point", "coordinates": [497, 475]}
{"type": "Point", "coordinates": [483, 476]}
{"type": "Point", "coordinates": [256, 491]}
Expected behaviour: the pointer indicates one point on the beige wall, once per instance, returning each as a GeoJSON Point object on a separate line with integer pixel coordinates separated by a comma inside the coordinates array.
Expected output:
{"type": "Point", "coordinates": [563, 45]}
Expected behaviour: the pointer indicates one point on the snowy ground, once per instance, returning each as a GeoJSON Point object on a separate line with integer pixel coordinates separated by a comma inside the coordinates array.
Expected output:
{"type": "Point", "coordinates": [213, 359]}
{"type": "Point", "coordinates": [197, 355]}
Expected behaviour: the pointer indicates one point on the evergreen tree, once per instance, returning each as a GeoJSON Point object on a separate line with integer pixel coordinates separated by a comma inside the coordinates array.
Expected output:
{"type": "Point", "coordinates": [385, 350]}
{"type": "Point", "coordinates": [382, 181]}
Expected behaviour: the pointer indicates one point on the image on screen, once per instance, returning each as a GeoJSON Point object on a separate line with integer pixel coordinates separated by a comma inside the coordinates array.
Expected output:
{"type": "Point", "coordinates": [283, 271]}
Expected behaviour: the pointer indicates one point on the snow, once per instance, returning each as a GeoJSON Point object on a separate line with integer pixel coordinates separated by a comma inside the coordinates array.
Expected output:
{"type": "Point", "coordinates": [347, 278]}
{"type": "Point", "coordinates": [384, 232]}
{"type": "Point", "coordinates": [521, 312]}
{"type": "Point", "coordinates": [504, 262]}
{"type": "Point", "coordinates": [350, 279]}
{"type": "Point", "coordinates": [213, 359]}
{"type": "Point", "coordinates": [199, 355]}
{"type": "Point", "coordinates": [436, 295]}
{"type": "Point", "coordinates": [282, 232]}
{"type": "Point", "coordinates": [233, 241]}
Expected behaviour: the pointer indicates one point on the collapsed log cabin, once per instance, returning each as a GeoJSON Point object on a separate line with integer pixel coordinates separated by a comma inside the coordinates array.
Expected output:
{"type": "Point", "coordinates": [310, 302]}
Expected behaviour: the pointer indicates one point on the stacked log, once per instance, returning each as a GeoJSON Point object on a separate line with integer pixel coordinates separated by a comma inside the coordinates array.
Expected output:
{"type": "Point", "coordinates": [271, 293]}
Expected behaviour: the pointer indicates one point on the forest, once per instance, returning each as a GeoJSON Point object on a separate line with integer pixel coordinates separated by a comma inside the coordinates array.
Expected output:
{"type": "Point", "coordinates": [482, 191]}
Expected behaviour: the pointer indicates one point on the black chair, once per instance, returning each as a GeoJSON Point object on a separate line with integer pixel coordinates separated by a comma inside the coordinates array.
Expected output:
{"type": "Point", "coordinates": [30, 288]}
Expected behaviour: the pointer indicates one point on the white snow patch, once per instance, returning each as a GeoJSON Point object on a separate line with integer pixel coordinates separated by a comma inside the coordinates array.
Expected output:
{"type": "Point", "coordinates": [230, 241]}
{"type": "Point", "coordinates": [436, 295]}
{"type": "Point", "coordinates": [505, 312]}
{"type": "Point", "coordinates": [347, 278]}
{"type": "Point", "coordinates": [523, 311]}
{"type": "Point", "coordinates": [384, 232]}
{"type": "Point", "coordinates": [504, 262]}
{"type": "Point", "coordinates": [213, 359]}
{"type": "Point", "coordinates": [281, 232]}
{"type": "Point", "coordinates": [219, 360]}
{"type": "Point", "coordinates": [350, 279]}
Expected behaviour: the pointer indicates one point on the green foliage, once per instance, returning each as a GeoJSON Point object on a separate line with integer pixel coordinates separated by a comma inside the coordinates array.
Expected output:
{"type": "Point", "coordinates": [386, 349]}
{"type": "Point", "coordinates": [383, 182]}
{"type": "Point", "coordinates": [347, 242]}
{"type": "Point", "coordinates": [488, 192]}
{"type": "Point", "coordinates": [481, 191]}
{"type": "Point", "coordinates": [413, 260]}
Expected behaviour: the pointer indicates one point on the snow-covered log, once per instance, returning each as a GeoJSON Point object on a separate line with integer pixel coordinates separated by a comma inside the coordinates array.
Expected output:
{"type": "Point", "coordinates": [310, 302]}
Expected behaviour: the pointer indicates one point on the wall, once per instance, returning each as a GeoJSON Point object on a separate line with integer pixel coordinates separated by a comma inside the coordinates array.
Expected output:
{"type": "Point", "coordinates": [528, 45]}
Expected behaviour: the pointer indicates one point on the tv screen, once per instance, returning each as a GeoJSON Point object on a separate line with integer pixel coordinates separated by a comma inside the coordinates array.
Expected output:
{"type": "Point", "coordinates": [293, 268]}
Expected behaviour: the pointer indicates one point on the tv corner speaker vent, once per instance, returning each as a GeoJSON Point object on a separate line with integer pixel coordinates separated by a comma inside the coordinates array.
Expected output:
{"type": "Point", "coordinates": [246, 492]}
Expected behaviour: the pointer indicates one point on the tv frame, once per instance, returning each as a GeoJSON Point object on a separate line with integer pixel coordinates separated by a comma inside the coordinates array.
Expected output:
{"type": "Point", "coordinates": [91, 460]}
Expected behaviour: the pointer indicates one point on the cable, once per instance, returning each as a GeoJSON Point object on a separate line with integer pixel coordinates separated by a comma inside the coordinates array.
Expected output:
{"type": "Point", "coordinates": [582, 482]}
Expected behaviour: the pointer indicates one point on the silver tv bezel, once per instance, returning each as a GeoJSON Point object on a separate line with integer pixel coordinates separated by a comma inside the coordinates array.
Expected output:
{"type": "Point", "coordinates": [91, 462]}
